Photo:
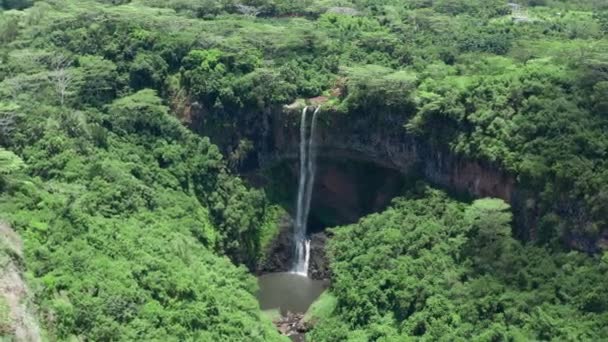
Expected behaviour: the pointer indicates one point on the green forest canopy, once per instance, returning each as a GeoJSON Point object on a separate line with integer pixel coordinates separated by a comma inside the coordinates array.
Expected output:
{"type": "Point", "coordinates": [433, 269]}
{"type": "Point", "coordinates": [133, 225]}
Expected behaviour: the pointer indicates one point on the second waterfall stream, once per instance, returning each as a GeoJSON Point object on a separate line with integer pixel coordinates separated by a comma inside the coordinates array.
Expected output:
{"type": "Point", "coordinates": [305, 185]}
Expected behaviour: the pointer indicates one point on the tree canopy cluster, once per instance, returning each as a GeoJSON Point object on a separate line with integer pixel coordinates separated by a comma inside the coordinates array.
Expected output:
{"type": "Point", "coordinates": [433, 269]}
{"type": "Point", "coordinates": [128, 219]}
{"type": "Point", "coordinates": [135, 228]}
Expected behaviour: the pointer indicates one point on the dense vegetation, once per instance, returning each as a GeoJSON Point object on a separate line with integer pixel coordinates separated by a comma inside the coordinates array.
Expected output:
{"type": "Point", "coordinates": [527, 96]}
{"type": "Point", "coordinates": [126, 215]}
{"type": "Point", "coordinates": [122, 228]}
{"type": "Point", "coordinates": [133, 224]}
{"type": "Point", "coordinates": [430, 268]}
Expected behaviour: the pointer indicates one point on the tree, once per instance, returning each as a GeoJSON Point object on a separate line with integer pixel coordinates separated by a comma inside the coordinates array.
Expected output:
{"type": "Point", "coordinates": [602, 18]}
{"type": "Point", "coordinates": [62, 75]}
{"type": "Point", "coordinates": [143, 113]}
{"type": "Point", "coordinates": [264, 88]}
{"type": "Point", "coordinates": [372, 88]}
{"type": "Point", "coordinates": [490, 217]}
{"type": "Point", "coordinates": [490, 234]}
{"type": "Point", "coordinates": [8, 115]}
{"type": "Point", "coordinates": [148, 70]}
{"type": "Point", "coordinates": [9, 28]}
{"type": "Point", "coordinates": [10, 164]}
{"type": "Point", "coordinates": [600, 98]}
{"type": "Point", "coordinates": [99, 80]}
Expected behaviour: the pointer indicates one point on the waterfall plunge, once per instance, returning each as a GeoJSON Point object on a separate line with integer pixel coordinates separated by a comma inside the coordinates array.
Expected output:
{"type": "Point", "coordinates": [305, 185]}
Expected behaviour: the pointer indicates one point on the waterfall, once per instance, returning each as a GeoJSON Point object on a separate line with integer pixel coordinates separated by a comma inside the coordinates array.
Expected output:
{"type": "Point", "coordinates": [299, 232]}
{"type": "Point", "coordinates": [305, 185]}
{"type": "Point", "coordinates": [310, 167]}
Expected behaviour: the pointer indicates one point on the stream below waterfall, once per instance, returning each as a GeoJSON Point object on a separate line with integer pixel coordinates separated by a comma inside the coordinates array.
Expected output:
{"type": "Point", "coordinates": [288, 292]}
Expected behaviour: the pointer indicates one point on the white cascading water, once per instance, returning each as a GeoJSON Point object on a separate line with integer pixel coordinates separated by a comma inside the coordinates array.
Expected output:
{"type": "Point", "coordinates": [305, 185]}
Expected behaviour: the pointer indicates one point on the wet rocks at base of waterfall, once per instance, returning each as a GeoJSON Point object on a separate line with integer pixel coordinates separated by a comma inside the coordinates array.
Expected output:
{"type": "Point", "coordinates": [318, 264]}
{"type": "Point", "coordinates": [279, 255]}
{"type": "Point", "coordinates": [292, 325]}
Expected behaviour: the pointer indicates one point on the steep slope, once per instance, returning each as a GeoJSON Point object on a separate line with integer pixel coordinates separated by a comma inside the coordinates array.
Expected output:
{"type": "Point", "coordinates": [135, 228]}
{"type": "Point", "coordinates": [18, 320]}
{"type": "Point", "coordinates": [128, 222]}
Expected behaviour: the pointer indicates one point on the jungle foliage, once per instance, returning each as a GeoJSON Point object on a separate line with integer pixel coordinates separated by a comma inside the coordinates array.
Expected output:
{"type": "Point", "coordinates": [135, 228]}
{"type": "Point", "coordinates": [432, 269]}
{"type": "Point", "coordinates": [125, 216]}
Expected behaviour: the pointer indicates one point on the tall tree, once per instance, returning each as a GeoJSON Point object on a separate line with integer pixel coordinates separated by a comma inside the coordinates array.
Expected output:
{"type": "Point", "coordinates": [62, 76]}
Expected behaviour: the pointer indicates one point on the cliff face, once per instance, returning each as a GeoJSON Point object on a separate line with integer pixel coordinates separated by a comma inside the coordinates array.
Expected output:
{"type": "Point", "coordinates": [384, 142]}
{"type": "Point", "coordinates": [17, 320]}
{"type": "Point", "coordinates": [380, 140]}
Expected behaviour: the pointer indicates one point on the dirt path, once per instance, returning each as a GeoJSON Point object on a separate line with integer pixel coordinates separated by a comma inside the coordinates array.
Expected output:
{"type": "Point", "coordinates": [13, 290]}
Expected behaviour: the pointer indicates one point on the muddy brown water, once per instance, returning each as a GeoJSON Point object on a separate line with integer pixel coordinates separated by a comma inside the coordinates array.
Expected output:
{"type": "Point", "coordinates": [288, 292]}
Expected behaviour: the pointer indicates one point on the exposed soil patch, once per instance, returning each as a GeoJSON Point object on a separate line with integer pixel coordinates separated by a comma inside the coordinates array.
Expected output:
{"type": "Point", "coordinates": [21, 324]}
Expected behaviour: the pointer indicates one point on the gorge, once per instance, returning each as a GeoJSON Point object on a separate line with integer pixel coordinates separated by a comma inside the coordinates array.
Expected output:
{"type": "Point", "coordinates": [365, 160]}
{"type": "Point", "coordinates": [292, 292]}
{"type": "Point", "coordinates": [313, 170]}
{"type": "Point", "coordinates": [382, 141]}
